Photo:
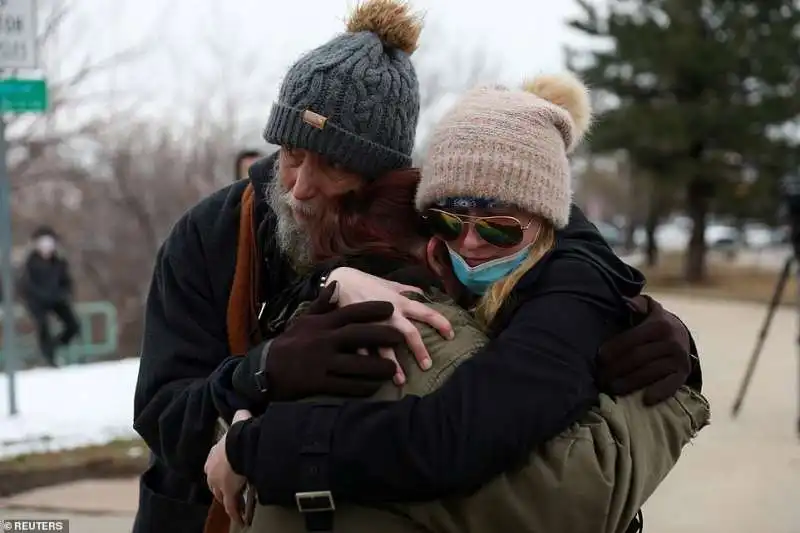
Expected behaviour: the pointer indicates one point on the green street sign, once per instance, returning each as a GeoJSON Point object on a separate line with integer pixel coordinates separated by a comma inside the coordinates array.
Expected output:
{"type": "Point", "coordinates": [23, 96]}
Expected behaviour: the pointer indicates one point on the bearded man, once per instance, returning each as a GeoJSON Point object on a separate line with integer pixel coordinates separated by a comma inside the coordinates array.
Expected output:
{"type": "Point", "coordinates": [347, 113]}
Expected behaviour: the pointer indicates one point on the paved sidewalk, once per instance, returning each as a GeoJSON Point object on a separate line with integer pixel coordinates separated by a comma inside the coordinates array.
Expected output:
{"type": "Point", "coordinates": [739, 476]}
{"type": "Point", "coordinates": [78, 523]}
{"type": "Point", "coordinates": [113, 496]}
{"type": "Point", "coordinates": [92, 506]}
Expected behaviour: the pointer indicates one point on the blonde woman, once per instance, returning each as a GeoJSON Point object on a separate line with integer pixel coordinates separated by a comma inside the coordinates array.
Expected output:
{"type": "Point", "coordinates": [495, 191]}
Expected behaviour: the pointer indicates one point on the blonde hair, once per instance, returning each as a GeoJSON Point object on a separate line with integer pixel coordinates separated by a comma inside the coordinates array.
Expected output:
{"type": "Point", "coordinates": [497, 294]}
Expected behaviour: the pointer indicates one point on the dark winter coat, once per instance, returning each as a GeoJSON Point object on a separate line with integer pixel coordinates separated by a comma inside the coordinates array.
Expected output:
{"type": "Point", "coordinates": [604, 467]}
{"type": "Point", "coordinates": [45, 282]}
{"type": "Point", "coordinates": [185, 343]}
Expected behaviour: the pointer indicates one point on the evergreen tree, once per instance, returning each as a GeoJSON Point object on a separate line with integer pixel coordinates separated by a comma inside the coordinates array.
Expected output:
{"type": "Point", "coordinates": [700, 88]}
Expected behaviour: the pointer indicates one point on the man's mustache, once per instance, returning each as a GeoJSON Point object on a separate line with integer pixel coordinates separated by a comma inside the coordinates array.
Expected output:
{"type": "Point", "coordinates": [306, 208]}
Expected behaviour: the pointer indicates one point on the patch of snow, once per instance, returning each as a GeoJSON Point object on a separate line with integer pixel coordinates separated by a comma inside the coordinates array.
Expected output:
{"type": "Point", "coordinates": [61, 408]}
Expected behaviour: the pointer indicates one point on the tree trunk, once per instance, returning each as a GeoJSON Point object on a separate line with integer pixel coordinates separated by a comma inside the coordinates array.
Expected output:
{"type": "Point", "coordinates": [630, 240]}
{"type": "Point", "coordinates": [633, 218]}
{"type": "Point", "coordinates": [651, 225]}
{"type": "Point", "coordinates": [654, 212]}
{"type": "Point", "coordinates": [698, 196]}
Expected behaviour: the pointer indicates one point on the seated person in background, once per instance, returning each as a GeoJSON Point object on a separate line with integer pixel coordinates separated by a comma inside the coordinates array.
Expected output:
{"type": "Point", "coordinates": [46, 290]}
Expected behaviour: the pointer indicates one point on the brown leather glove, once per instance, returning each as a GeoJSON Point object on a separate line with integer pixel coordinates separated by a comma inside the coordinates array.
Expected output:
{"type": "Point", "coordinates": [653, 355]}
{"type": "Point", "coordinates": [316, 355]}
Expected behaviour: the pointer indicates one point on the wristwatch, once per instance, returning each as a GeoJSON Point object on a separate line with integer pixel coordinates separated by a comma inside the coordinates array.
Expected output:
{"type": "Point", "coordinates": [262, 375]}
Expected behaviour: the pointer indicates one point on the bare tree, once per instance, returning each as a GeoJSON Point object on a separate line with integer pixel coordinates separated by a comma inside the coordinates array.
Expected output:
{"type": "Point", "coordinates": [136, 176]}
{"type": "Point", "coordinates": [445, 70]}
{"type": "Point", "coordinates": [51, 179]}
{"type": "Point", "coordinates": [74, 70]}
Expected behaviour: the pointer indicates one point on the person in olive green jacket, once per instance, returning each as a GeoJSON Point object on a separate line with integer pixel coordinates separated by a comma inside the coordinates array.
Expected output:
{"type": "Point", "coordinates": [592, 478]}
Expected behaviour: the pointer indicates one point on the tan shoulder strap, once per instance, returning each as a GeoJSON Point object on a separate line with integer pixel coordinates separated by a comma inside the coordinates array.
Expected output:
{"type": "Point", "coordinates": [242, 314]}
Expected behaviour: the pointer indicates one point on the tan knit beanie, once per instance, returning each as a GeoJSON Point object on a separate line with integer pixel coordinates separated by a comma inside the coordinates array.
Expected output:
{"type": "Point", "coordinates": [509, 146]}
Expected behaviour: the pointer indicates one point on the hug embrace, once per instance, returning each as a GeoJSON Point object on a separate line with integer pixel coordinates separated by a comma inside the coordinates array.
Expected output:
{"type": "Point", "coordinates": [453, 348]}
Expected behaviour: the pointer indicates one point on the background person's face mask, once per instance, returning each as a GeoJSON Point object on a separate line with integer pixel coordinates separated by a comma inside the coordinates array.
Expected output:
{"type": "Point", "coordinates": [46, 245]}
{"type": "Point", "coordinates": [479, 278]}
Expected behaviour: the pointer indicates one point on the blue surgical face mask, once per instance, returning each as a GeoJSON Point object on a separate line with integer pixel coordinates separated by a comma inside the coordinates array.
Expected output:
{"type": "Point", "coordinates": [478, 278]}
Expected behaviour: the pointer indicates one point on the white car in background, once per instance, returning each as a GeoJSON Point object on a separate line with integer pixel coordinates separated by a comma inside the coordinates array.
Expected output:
{"type": "Point", "coordinates": [674, 235]}
{"type": "Point", "coordinates": [613, 235]}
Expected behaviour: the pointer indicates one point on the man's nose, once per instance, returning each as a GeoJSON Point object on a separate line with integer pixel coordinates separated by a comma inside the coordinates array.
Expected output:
{"type": "Point", "coordinates": [305, 186]}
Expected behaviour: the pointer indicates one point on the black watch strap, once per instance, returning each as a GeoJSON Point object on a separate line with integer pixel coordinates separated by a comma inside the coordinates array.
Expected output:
{"type": "Point", "coordinates": [261, 376]}
{"type": "Point", "coordinates": [251, 378]}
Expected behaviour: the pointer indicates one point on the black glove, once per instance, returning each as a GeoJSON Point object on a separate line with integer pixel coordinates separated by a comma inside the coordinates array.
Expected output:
{"type": "Point", "coordinates": [653, 355]}
{"type": "Point", "coordinates": [317, 354]}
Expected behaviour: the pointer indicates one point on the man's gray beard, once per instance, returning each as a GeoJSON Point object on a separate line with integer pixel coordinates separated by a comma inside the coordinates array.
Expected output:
{"type": "Point", "coordinates": [292, 239]}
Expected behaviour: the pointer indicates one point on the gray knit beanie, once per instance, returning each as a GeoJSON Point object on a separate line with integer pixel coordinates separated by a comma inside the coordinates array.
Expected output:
{"type": "Point", "coordinates": [509, 147]}
{"type": "Point", "coordinates": [355, 99]}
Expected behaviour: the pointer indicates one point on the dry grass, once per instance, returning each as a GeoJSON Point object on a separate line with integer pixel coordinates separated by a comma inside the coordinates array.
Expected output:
{"type": "Point", "coordinates": [117, 450]}
{"type": "Point", "coordinates": [726, 280]}
{"type": "Point", "coordinates": [120, 458]}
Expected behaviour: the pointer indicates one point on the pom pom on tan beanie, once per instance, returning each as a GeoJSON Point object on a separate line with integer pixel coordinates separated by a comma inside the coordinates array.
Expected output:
{"type": "Point", "coordinates": [510, 146]}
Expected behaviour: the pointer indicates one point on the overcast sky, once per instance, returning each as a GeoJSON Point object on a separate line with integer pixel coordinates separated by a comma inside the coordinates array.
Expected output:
{"type": "Point", "coordinates": [204, 51]}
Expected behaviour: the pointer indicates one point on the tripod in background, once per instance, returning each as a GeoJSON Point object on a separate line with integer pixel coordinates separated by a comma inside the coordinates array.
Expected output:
{"type": "Point", "coordinates": [762, 337]}
{"type": "Point", "coordinates": [790, 186]}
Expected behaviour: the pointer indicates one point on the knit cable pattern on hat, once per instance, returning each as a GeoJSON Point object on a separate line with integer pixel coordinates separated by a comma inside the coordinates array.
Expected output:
{"type": "Point", "coordinates": [369, 95]}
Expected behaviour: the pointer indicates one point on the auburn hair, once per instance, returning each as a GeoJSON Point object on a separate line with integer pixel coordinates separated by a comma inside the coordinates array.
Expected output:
{"type": "Point", "coordinates": [379, 218]}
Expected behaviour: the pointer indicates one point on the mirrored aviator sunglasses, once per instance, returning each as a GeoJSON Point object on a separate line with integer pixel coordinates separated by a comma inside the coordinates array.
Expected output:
{"type": "Point", "coordinates": [503, 231]}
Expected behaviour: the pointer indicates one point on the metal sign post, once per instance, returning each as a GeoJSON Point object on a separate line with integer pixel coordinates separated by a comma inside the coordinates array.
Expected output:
{"type": "Point", "coordinates": [9, 320]}
{"type": "Point", "coordinates": [18, 50]}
